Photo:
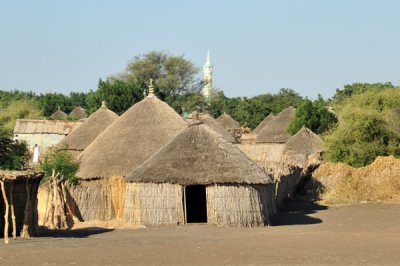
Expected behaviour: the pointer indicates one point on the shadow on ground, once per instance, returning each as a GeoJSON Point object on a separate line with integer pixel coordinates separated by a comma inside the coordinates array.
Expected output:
{"type": "Point", "coordinates": [73, 233]}
{"type": "Point", "coordinates": [296, 212]}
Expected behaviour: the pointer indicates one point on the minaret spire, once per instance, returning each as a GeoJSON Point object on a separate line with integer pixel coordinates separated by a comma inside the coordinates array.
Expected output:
{"type": "Point", "coordinates": [207, 70]}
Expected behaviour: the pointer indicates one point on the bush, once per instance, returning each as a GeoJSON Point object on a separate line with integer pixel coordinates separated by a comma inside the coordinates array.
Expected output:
{"type": "Point", "coordinates": [61, 162]}
{"type": "Point", "coordinates": [13, 155]}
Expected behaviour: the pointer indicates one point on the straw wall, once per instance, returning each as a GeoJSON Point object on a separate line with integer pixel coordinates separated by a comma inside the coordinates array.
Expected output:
{"type": "Point", "coordinates": [264, 153]}
{"type": "Point", "coordinates": [19, 198]}
{"type": "Point", "coordinates": [99, 199]}
{"type": "Point", "coordinates": [240, 205]}
{"type": "Point", "coordinates": [152, 204]}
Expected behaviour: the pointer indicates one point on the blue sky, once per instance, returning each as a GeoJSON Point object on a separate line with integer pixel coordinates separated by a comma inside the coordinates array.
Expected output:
{"type": "Point", "coordinates": [256, 47]}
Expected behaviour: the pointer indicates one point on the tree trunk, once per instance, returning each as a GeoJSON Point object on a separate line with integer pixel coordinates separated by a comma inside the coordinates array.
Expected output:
{"type": "Point", "coordinates": [14, 225]}
{"type": "Point", "coordinates": [25, 227]}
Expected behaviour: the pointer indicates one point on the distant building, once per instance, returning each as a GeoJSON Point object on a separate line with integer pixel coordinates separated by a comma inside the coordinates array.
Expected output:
{"type": "Point", "coordinates": [59, 115]}
{"type": "Point", "coordinates": [208, 71]}
{"type": "Point", "coordinates": [43, 133]}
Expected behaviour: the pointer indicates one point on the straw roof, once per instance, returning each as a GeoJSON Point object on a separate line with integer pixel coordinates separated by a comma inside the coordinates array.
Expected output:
{"type": "Point", "coordinates": [199, 155]}
{"type": "Point", "coordinates": [264, 123]}
{"type": "Point", "coordinates": [34, 126]}
{"type": "Point", "coordinates": [211, 122]}
{"type": "Point", "coordinates": [276, 132]}
{"type": "Point", "coordinates": [133, 137]}
{"type": "Point", "coordinates": [78, 113]}
{"type": "Point", "coordinates": [304, 142]}
{"type": "Point", "coordinates": [59, 114]}
{"type": "Point", "coordinates": [227, 121]}
{"type": "Point", "coordinates": [84, 134]}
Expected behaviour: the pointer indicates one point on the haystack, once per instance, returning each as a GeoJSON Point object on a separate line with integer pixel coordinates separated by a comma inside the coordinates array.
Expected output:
{"type": "Point", "coordinates": [59, 115]}
{"type": "Point", "coordinates": [78, 113]}
{"type": "Point", "coordinates": [130, 140]}
{"type": "Point", "coordinates": [267, 120]}
{"type": "Point", "coordinates": [84, 134]}
{"type": "Point", "coordinates": [276, 132]}
{"type": "Point", "coordinates": [199, 177]}
{"type": "Point", "coordinates": [18, 202]}
{"type": "Point", "coordinates": [227, 121]}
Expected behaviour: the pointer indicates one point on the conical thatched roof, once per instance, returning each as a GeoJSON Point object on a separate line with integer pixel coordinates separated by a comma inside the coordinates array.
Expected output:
{"type": "Point", "coordinates": [211, 122]}
{"type": "Point", "coordinates": [227, 121]}
{"type": "Point", "coordinates": [264, 123]}
{"type": "Point", "coordinates": [199, 155]}
{"type": "Point", "coordinates": [304, 142]}
{"type": "Point", "coordinates": [59, 115]}
{"type": "Point", "coordinates": [84, 134]}
{"type": "Point", "coordinates": [133, 137]}
{"type": "Point", "coordinates": [276, 132]}
{"type": "Point", "coordinates": [78, 113]}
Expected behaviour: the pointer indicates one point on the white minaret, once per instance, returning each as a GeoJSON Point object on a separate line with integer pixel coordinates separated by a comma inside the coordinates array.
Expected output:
{"type": "Point", "coordinates": [207, 70]}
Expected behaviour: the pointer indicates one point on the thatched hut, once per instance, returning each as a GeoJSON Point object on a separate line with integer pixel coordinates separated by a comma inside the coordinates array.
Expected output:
{"type": "Point", "coordinates": [59, 115]}
{"type": "Point", "coordinates": [18, 202]}
{"type": "Point", "coordinates": [78, 113]}
{"type": "Point", "coordinates": [211, 122]}
{"type": "Point", "coordinates": [84, 134]}
{"type": "Point", "coordinates": [130, 140]}
{"type": "Point", "coordinates": [199, 177]}
{"type": "Point", "coordinates": [301, 155]}
{"type": "Point", "coordinates": [267, 120]}
{"type": "Point", "coordinates": [227, 121]}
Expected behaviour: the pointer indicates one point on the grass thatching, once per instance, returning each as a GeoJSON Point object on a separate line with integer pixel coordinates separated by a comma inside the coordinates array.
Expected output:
{"type": "Point", "coordinates": [59, 115]}
{"type": "Point", "coordinates": [84, 134]}
{"type": "Point", "coordinates": [199, 155]}
{"type": "Point", "coordinates": [227, 121]}
{"type": "Point", "coordinates": [136, 135]}
{"type": "Point", "coordinates": [78, 113]}
{"type": "Point", "coordinates": [267, 120]}
{"type": "Point", "coordinates": [276, 132]}
{"type": "Point", "coordinates": [211, 122]}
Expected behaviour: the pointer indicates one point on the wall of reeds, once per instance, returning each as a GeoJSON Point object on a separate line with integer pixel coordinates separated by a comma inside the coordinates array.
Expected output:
{"type": "Point", "coordinates": [240, 205]}
{"type": "Point", "coordinates": [97, 199]}
{"type": "Point", "coordinates": [263, 153]}
{"type": "Point", "coordinates": [149, 204]}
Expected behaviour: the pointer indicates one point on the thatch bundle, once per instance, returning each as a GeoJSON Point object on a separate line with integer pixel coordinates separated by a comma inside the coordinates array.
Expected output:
{"type": "Point", "coordinates": [85, 133]}
{"type": "Point", "coordinates": [18, 203]}
{"type": "Point", "coordinates": [78, 113]}
{"type": "Point", "coordinates": [59, 115]}
{"type": "Point", "coordinates": [130, 140]}
{"type": "Point", "coordinates": [276, 132]}
{"type": "Point", "coordinates": [227, 121]}
{"type": "Point", "coordinates": [239, 193]}
{"type": "Point", "coordinates": [267, 120]}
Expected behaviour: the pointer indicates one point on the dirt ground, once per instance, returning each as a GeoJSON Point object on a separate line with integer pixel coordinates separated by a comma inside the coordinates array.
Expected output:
{"type": "Point", "coordinates": [304, 233]}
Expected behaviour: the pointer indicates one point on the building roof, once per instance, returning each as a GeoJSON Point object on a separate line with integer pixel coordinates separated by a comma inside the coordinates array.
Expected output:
{"type": "Point", "coordinates": [267, 120]}
{"type": "Point", "coordinates": [32, 126]}
{"type": "Point", "coordinates": [227, 121]}
{"type": "Point", "coordinates": [78, 113]}
{"type": "Point", "coordinates": [59, 114]}
{"type": "Point", "coordinates": [84, 134]}
{"type": "Point", "coordinates": [199, 155]}
{"type": "Point", "coordinates": [131, 139]}
{"type": "Point", "coordinates": [276, 132]}
{"type": "Point", "coordinates": [211, 122]}
{"type": "Point", "coordinates": [304, 142]}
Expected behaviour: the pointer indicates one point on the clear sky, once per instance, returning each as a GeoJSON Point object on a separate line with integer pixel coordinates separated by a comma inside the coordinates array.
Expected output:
{"type": "Point", "coordinates": [256, 47]}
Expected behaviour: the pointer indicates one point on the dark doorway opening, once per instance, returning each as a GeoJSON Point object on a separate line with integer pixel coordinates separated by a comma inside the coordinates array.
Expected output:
{"type": "Point", "coordinates": [196, 204]}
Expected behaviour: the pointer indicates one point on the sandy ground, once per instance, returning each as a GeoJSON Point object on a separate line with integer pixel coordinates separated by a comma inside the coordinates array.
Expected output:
{"type": "Point", "coordinates": [304, 233]}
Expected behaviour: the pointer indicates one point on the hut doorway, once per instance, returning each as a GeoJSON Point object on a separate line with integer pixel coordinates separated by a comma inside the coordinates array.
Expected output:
{"type": "Point", "coordinates": [195, 204]}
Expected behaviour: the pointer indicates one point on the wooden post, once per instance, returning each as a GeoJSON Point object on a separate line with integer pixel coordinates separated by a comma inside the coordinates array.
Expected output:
{"type": "Point", "coordinates": [14, 225]}
{"type": "Point", "coordinates": [3, 191]}
{"type": "Point", "coordinates": [25, 227]}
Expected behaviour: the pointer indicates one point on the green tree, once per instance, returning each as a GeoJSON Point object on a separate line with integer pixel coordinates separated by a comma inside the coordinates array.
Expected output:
{"type": "Point", "coordinates": [172, 75]}
{"type": "Point", "coordinates": [359, 88]}
{"type": "Point", "coordinates": [49, 103]}
{"type": "Point", "coordinates": [314, 115]}
{"type": "Point", "coordinates": [13, 155]}
{"type": "Point", "coordinates": [18, 109]}
{"type": "Point", "coordinates": [62, 162]}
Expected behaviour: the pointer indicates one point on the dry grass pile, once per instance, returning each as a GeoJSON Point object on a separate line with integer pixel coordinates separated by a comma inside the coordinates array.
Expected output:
{"type": "Point", "coordinates": [379, 181]}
